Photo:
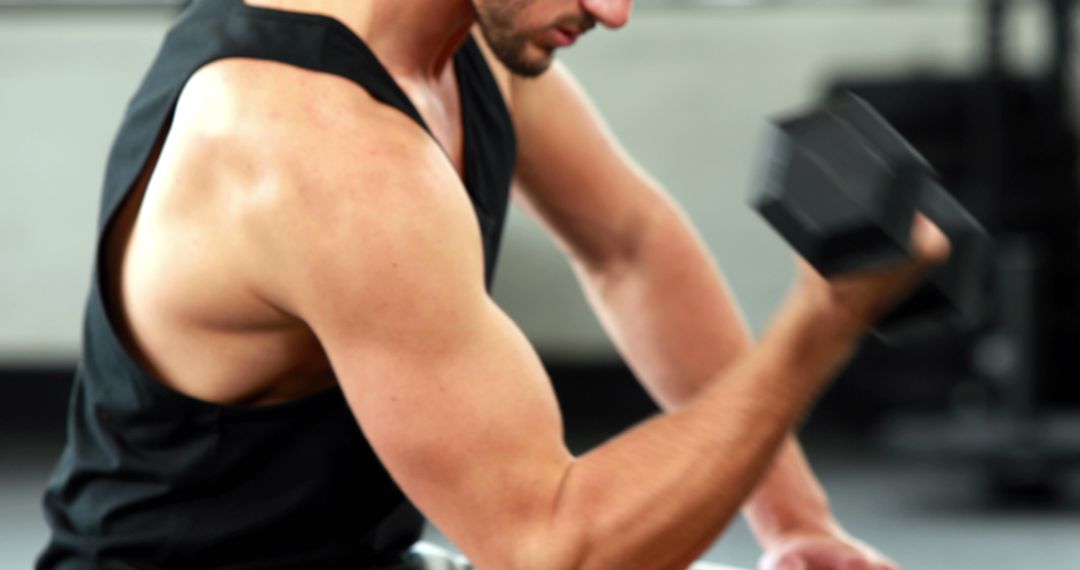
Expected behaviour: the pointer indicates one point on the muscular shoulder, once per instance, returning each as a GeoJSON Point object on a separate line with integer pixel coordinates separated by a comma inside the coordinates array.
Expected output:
{"type": "Point", "coordinates": [279, 110]}
{"type": "Point", "coordinates": [271, 125]}
{"type": "Point", "coordinates": [323, 169]}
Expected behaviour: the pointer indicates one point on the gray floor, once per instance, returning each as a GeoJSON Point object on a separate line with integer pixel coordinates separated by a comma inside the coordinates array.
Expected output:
{"type": "Point", "coordinates": [929, 517]}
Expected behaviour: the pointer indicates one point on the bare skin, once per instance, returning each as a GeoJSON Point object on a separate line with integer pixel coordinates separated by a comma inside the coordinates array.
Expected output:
{"type": "Point", "coordinates": [293, 233]}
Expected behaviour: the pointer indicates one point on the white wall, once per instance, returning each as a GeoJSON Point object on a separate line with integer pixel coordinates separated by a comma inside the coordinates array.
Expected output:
{"type": "Point", "coordinates": [64, 81]}
{"type": "Point", "coordinates": [685, 89]}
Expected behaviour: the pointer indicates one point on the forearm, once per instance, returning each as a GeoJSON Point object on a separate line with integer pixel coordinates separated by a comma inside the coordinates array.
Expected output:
{"type": "Point", "coordinates": [665, 490]}
{"type": "Point", "coordinates": [674, 320]}
{"type": "Point", "coordinates": [788, 498]}
{"type": "Point", "coordinates": [667, 308]}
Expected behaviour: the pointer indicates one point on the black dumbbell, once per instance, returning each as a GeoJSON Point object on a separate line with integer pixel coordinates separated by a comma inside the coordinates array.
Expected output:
{"type": "Point", "coordinates": [842, 187]}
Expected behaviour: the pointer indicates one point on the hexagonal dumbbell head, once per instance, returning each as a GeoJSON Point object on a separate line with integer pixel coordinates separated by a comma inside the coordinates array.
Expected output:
{"type": "Point", "coordinates": [829, 186]}
{"type": "Point", "coordinates": [842, 187]}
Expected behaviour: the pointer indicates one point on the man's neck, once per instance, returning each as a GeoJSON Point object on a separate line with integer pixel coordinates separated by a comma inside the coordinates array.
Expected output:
{"type": "Point", "coordinates": [413, 38]}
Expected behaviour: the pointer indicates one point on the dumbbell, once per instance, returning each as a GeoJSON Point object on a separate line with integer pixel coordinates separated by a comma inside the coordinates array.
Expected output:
{"type": "Point", "coordinates": [841, 186]}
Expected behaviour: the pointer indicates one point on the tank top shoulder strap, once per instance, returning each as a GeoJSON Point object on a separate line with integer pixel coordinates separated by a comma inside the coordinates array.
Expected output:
{"type": "Point", "coordinates": [477, 75]}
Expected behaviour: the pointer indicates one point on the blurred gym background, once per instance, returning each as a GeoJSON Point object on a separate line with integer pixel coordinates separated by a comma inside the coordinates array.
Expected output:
{"type": "Point", "coordinates": [948, 453]}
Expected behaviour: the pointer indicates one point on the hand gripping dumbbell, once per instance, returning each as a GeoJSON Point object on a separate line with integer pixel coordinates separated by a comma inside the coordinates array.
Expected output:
{"type": "Point", "coordinates": [842, 187]}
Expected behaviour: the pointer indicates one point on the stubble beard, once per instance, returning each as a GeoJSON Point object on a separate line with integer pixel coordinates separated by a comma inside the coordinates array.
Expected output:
{"type": "Point", "coordinates": [496, 21]}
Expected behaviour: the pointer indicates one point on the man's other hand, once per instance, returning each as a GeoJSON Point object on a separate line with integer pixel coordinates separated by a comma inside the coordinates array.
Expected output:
{"type": "Point", "coordinates": [822, 549]}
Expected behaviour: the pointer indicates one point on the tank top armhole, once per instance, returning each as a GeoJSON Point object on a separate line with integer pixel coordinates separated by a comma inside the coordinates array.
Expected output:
{"type": "Point", "coordinates": [105, 321]}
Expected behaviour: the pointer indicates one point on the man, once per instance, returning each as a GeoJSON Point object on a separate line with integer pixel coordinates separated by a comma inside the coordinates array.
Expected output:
{"type": "Point", "coordinates": [301, 214]}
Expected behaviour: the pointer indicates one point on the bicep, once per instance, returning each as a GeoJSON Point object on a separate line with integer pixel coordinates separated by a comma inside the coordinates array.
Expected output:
{"type": "Point", "coordinates": [573, 175]}
{"type": "Point", "coordinates": [450, 394]}
{"type": "Point", "coordinates": [469, 428]}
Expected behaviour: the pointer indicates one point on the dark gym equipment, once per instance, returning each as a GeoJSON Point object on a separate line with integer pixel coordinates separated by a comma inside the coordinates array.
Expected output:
{"type": "Point", "coordinates": [842, 187]}
{"type": "Point", "coordinates": [1006, 144]}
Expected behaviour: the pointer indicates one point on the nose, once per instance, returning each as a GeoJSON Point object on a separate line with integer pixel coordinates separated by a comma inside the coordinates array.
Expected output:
{"type": "Point", "coordinates": [612, 14]}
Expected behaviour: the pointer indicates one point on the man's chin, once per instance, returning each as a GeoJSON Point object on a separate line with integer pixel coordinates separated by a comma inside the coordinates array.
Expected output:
{"type": "Point", "coordinates": [531, 72]}
{"type": "Point", "coordinates": [532, 63]}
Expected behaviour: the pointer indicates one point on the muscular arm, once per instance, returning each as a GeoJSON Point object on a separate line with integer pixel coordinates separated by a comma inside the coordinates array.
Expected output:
{"type": "Point", "coordinates": [381, 256]}
{"type": "Point", "coordinates": [646, 273]}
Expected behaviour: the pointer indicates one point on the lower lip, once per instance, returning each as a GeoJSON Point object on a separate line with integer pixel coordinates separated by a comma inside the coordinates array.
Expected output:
{"type": "Point", "coordinates": [562, 39]}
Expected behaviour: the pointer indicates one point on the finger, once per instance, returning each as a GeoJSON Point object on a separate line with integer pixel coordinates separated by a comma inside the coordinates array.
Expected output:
{"type": "Point", "coordinates": [930, 244]}
{"type": "Point", "coordinates": [792, 563]}
{"type": "Point", "coordinates": [855, 563]}
{"type": "Point", "coordinates": [887, 565]}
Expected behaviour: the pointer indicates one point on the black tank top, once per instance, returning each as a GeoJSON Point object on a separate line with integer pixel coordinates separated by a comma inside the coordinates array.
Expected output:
{"type": "Point", "coordinates": [150, 478]}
